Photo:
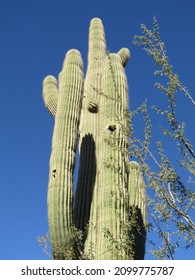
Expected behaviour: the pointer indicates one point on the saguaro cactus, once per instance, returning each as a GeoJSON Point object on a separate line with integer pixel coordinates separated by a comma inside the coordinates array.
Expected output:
{"type": "Point", "coordinates": [108, 206]}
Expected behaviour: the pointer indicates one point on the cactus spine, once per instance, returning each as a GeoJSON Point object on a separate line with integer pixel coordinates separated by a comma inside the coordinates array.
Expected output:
{"type": "Point", "coordinates": [110, 191]}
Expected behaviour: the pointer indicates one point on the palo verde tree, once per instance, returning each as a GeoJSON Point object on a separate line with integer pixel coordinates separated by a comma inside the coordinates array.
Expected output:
{"type": "Point", "coordinates": [171, 206]}
{"type": "Point", "coordinates": [105, 218]}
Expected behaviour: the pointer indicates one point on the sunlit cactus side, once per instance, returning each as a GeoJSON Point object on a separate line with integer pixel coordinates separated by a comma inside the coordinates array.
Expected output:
{"type": "Point", "coordinates": [89, 130]}
{"type": "Point", "coordinates": [68, 91]}
{"type": "Point", "coordinates": [109, 202]}
{"type": "Point", "coordinates": [50, 94]}
{"type": "Point", "coordinates": [108, 209]}
{"type": "Point", "coordinates": [102, 202]}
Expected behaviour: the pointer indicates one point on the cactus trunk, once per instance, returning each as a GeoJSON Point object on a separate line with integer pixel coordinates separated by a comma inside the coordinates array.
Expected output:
{"type": "Point", "coordinates": [109, 188]}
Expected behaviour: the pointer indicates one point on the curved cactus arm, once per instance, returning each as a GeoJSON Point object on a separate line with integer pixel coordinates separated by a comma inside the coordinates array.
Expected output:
{"type": "Point", "coordinates": [50, 94]}
{"type": "Point", "coordinates": [62, 160]}
{"type": "Point", "coordinates": [124, 54]}
{"type": "Point", "coordinates": [137, 205]}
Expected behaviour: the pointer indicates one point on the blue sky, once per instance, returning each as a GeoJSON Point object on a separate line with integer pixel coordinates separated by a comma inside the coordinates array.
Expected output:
{"type": "Point", "coordinates": [34, 37]}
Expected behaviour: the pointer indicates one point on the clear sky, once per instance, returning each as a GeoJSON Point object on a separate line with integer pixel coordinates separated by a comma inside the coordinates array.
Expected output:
{"type": "Point", "coordinates": [34, 37]}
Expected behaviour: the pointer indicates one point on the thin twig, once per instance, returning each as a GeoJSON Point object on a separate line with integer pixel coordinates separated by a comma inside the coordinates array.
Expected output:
{"type": "Point", "coordinates": [186, 93]}
{"type": "Point", "coordinates": [149, 152]}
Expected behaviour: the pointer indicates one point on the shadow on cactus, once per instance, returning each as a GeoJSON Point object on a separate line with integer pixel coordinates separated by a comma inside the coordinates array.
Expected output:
{"type": "Point", "coordinates": [85, 184]}
{"type": "Point", "coordinates": [105, 218]}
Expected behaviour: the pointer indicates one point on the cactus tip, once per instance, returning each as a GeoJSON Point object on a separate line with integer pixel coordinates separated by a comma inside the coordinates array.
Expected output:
{"type": "Point", "coordinates": [49, 80]}
{"type": "Point", "coordinates": [73, 52]}
{"type": "Point", "coordinates": [124, 54]}
{"type": "Point", "coordinates": [73, 56]}
{"type": "Point", "coordinates": [96, 19]}
{"type": "Point", "coordinates": [134, 164]}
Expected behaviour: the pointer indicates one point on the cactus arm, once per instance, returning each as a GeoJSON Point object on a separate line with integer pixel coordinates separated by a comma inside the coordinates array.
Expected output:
{"type": "Point", "coordinates": [108, 206]}
{"type": "Point", "coordinates": [137, 193]}
{"type": "Point", "coordinates": [50, 94]}
{"type": "Point", "coordinates": [62, 160]}
{"type": "Point", "coordinates": [137, 203]}
{"type": "Point", "coordinates": [124, 54]}
{"type": "Point", "coordinates": [113, 176]}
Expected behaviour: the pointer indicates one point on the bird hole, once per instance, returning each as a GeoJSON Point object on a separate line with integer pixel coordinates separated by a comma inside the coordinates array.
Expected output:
{"type": "Point", "coordinates": [54, 173]}
{"type": "Point", "coordinates": [92, 107]}
{"type": "Point", "coordinates": [112, 128]}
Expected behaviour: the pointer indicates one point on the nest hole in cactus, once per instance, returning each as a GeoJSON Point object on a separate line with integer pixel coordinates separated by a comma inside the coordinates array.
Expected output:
{"type": "Point", "coordinates": [112, 127]}
{"type": "Point", "coordinates": [54, 173]}
{"type": "Point", "coordinates": [92, 107]}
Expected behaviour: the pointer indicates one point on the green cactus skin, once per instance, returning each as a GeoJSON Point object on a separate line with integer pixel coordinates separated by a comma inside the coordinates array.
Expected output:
{"type": "Point", "coordinates": [137, 199]}
{"type": "Point", "coordinates": [89, 130]}
{"type": "Point", "coordinates": [62, 160]}
{"type": "Point", "coordinates": [50, 94]}
{"type": "Point", "coordinates": [109, 188]}
{"type": "Point", "coordinates": [113, 174]}
{"type": "Point", "coordinates": [108, 207]}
